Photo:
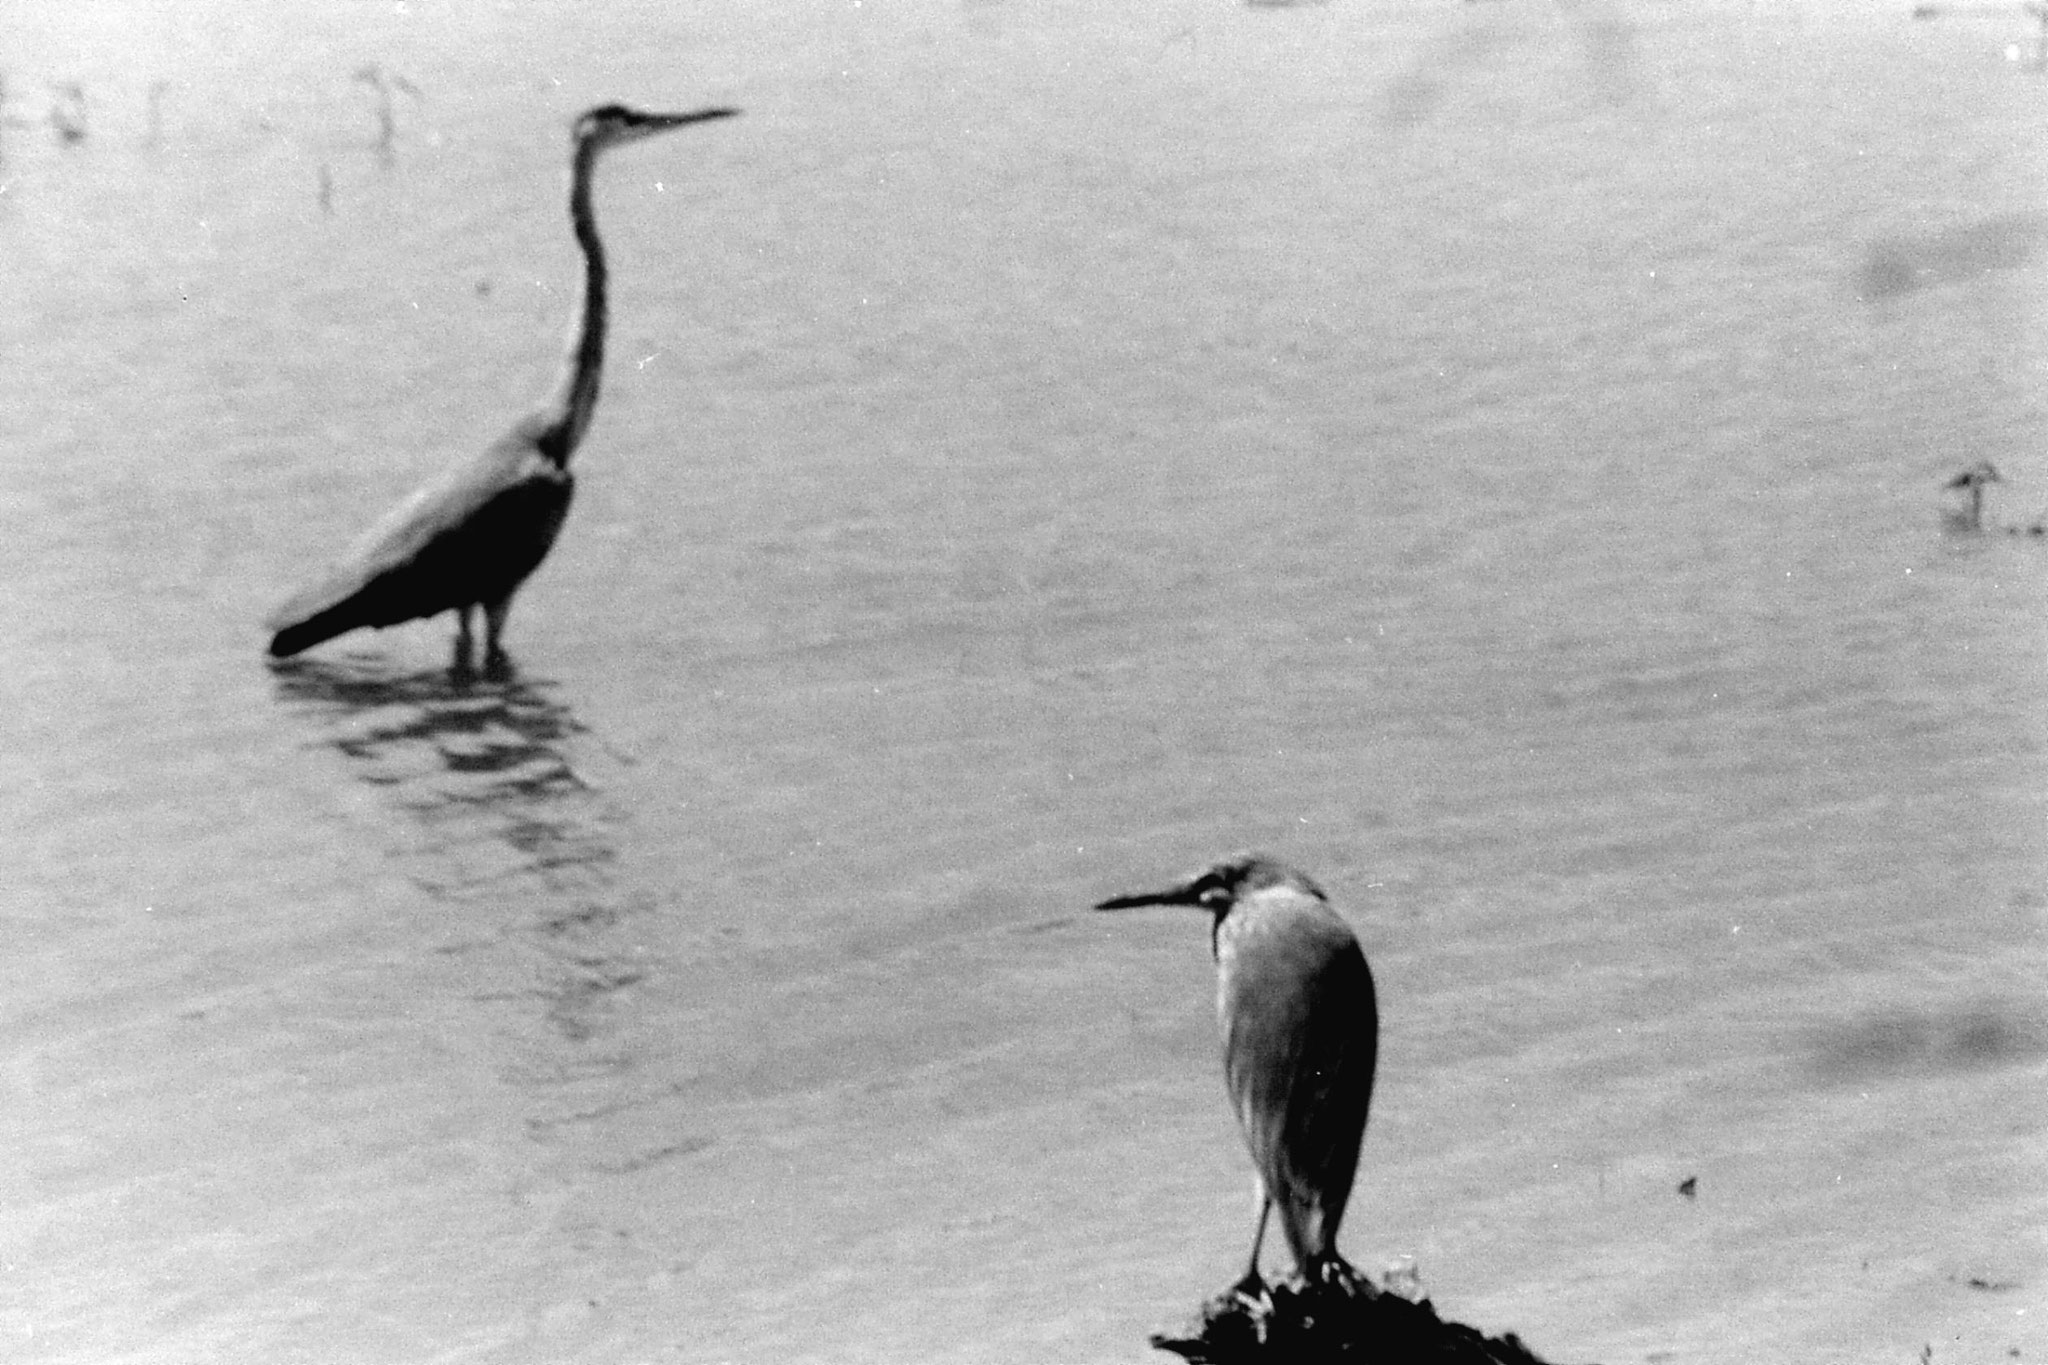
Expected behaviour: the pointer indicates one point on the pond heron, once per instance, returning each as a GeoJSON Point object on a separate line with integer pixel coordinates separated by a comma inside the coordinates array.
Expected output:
{"type": "Point", "coordinates": [1300, 1040]}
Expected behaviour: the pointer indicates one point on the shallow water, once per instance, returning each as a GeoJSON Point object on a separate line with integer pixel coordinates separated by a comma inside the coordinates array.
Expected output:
{"type": "Point", "coordinates": [1489, 455]}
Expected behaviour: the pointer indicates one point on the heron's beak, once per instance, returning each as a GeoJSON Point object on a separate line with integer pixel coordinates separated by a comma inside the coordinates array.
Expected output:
{"type": "Point", "coordinates": [1177, 895]}
{"type": "Point", "coordinates": [661, 123]}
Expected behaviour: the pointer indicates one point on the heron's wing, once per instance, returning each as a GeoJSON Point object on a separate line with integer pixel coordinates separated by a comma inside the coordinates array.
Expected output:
{"type": "Point", "coordinates": [1332, 1096]}
{"type": "Point", "coordinates": [472, 532]}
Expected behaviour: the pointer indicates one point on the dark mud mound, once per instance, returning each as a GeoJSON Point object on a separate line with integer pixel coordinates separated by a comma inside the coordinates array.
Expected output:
{"type": "Point", "coordinates": [1340, 1316]}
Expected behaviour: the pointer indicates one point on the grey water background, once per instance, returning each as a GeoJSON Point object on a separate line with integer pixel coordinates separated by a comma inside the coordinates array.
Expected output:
{"type": "Point", "coordinates": [1487, 454]}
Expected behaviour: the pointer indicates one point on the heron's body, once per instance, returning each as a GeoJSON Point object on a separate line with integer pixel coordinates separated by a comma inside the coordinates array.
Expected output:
{"type": "Point", "coordinates": [1293, 988]}
{"type": "Point", "coordinates": [468, 539]}
{"type": "Point", "coordinates": [1300, 1028]}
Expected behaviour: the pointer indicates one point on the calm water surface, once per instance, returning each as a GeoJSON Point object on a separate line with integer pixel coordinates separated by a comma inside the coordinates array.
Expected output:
{"type": "Point", "coordinates": [1488, 454]}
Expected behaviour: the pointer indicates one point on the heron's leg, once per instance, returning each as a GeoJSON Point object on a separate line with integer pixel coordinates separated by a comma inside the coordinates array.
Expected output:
{"type": "Point", "coordinates": [494, 630]}
{"type": "Point", "coordinates": [1252, 1285]}
{"type": "Point", "coordinates": [462, 640]}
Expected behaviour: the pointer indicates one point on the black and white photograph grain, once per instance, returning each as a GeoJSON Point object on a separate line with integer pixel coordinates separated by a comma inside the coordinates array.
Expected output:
{"type": "Point", "coordinates": [1024, 682]}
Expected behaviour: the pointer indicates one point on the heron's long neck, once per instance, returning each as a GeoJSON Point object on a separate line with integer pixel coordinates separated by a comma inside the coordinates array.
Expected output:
{"type": "Point", "coordinates": [576, 393]}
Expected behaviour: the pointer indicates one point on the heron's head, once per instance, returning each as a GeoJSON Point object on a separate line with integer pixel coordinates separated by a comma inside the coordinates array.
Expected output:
{"type": "Point", "coordinates": [612, 125]}
{"type": "Point", "coordinates": [1977, 475]}
{"type": "Point", "coordinates": [1219, 887]}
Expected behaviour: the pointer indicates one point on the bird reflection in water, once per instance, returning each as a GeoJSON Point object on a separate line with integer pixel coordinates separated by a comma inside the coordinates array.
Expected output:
{"type": "Point", "coordinates": [484, 766]}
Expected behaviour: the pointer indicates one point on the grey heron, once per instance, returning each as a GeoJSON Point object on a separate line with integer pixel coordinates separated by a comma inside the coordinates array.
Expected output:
{"type": "Point", "coordinates": [1300, 1042]}
{"type": "Point", "coordinates": [470, 537]}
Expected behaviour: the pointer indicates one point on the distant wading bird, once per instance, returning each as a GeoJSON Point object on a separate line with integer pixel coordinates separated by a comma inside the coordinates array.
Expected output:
{"type": "Point", "coordinates": [1972, 481]}
{"type": "Point", "coordinates": [1300, 1041]}
{"type": "Point", "coordinates": [67, 115]}
{"type": "Point", "coordinates": [470, 538]}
